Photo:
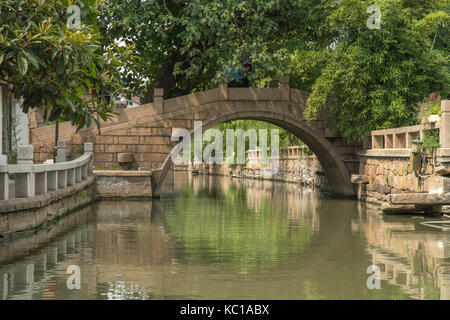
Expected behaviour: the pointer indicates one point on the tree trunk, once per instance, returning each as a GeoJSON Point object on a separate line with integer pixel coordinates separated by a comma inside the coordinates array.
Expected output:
{"type": "Point", "coordinates": [164, 80]}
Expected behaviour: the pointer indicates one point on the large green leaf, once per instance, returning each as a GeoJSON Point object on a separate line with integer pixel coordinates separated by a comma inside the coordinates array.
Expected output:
{"type": "Point", "coordinates": [31, 57]}
{"type": "Point", "coordinates": [22, 63]}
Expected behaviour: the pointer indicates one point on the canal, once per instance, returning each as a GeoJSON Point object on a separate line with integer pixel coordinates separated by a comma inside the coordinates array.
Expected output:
{"type": "Point", "coordinates": [222, 238]}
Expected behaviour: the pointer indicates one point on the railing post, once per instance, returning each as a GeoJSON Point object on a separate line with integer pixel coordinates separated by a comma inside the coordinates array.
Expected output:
{"type": "Point", "coordinates": [89, 149]}
{"type": "Point", "coordinates": [158, 100]}
{"type": "Point", "coordinates": [61, 152]}
{"type": "Point", "coordinates": [84, 171]}
{"type": "Point", "coordinates": [62, 179]}
{"type": "Point", "coordinates": [3, 158]}
{"type": "Point", "coordinates": [4, 182]}
{"type": "Point", "coordinates": [223, 92]}
{"type": "Point", "coordinates": [24, 181]}
{"type": "Point", "coordinates": [444, 135]}
{"type": "Point", "coordinates": [77, 174]}
{"type": "Point", "coordinates": [70, 177]}
{"type": "Point", "coordinates": [285, 88]}
{"type": "Point", "coordinates": [41, 183]}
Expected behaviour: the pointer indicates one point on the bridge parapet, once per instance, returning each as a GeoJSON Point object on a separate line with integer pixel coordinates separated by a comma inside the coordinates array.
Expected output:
{"type": "Point", "coordinates": [37, 179]}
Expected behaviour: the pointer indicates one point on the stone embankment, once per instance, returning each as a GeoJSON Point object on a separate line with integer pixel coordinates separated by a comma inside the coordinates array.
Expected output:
{"type": "Point", "coordinates": [295, 165]}
{"type": "Point", "coordinates": [399, 180]}
{"type": "Point", "coordinates": [34, 195]}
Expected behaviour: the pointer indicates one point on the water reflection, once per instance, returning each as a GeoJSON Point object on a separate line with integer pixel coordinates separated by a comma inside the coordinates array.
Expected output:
{"type": "Point", "coordinates": [222, 238]}
{"type": "Point", "coordinates": [411, 256]}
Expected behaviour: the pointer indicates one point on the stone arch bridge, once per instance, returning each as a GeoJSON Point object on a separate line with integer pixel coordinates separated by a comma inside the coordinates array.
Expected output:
{"type": "Point", "coordinates": [145, 131]}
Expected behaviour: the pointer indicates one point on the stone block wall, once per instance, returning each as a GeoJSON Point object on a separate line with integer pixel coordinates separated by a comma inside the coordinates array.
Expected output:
{"type": "Point", "coordinates": [381, 176]}
{"type": "Point", "coordinates": [393, 172]}
{"type": "Point", "coordinates": [149, 147]}
{"type": "Point", "coordinates": [305, 170]}
{"type": "Point", "coordinates": [19, 215]}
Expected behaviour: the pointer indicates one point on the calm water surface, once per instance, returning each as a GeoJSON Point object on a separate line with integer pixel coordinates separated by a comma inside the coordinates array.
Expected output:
{"type": "Point", "coordinates": [218, 238]}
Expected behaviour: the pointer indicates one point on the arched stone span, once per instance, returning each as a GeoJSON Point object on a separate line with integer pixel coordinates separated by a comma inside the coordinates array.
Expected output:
{"type": "Point", "coordinates": [144, 132]}
{"type": "Point", "coordinates": [336, 172]}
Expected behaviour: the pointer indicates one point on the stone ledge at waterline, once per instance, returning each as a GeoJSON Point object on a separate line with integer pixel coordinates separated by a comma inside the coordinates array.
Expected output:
{"type": "Point", "coordinates": [123, 184]}
{"type": "Point", "coordinates": [26, 214]}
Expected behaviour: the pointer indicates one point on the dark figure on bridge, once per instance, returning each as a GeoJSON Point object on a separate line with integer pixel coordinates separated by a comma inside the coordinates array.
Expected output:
{"type": "Point", "coordinates": [240, 79]}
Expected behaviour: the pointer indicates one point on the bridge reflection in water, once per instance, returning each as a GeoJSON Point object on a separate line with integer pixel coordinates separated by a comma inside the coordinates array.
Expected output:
{"type": "Point", "coordinates": [229, 239]}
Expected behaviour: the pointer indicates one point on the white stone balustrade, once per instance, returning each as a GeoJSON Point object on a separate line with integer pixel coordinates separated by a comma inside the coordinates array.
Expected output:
{"type": "Point", "coordinates": [399, 140]}
{"type": "Point", "coordinates": [36, 179]}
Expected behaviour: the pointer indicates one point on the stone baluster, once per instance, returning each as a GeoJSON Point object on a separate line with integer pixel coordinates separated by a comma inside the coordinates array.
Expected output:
{"type": "Point", "coordinates": [24, 181]}
{"type": "Point", "coordinates": [71, 177]}
{"type": "Point", "coordinates": [62, 179]}
{"type": "Point", "coordinates": [77, 174]}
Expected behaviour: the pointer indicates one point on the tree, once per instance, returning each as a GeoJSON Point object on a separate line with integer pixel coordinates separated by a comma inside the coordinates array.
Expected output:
{"type": "Point", "coordinates": [375, 77]}
{"type": "Point", "coordinates": [60, 70]}
{"type": "Point", "coordinates": [183, 46]}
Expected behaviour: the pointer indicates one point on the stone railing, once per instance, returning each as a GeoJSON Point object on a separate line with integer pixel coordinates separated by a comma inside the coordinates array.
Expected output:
{"type": "Point", "coordinates": [36, 179]}
{"type": "Point", "coordinates": [293, 152]}
{"type": "Point", "coordinates": [399, 140]}
{"type": "Point", "coordinates": [285, 153]}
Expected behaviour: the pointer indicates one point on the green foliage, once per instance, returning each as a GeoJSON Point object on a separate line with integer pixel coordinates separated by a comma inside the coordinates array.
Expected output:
{"type": "Point", "coordinates": [287, 138]}
{"type": "Point", "coordinates": [62, 71]}
{"type": "Point", "coordinates": [190, 45]}
{"type": "Point", "coordinates": [375, 78]}
{"type": "Point", "coordinates": [430, 105]}
{"type": "Point", "coordinates": [431, 140]}
{"type": "Point", "coordinates": [82, 193]}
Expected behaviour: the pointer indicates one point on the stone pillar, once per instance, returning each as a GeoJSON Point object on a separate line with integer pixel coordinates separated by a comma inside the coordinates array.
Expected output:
{"type": "Point", "coordinates": [84, 171]}
{"type": "Point", "coordinates": [4, 183]}
{"type": "Point", "coordinates": [71, 177]}
{"type": "Point", "coordinates": [223, 92]}
{"type": "Point", "coordinates": [284, 88]}
{"type": "Point", "coordinates": [3, 158]}
{"type": "Point", "coordinates": [158, 100]}
{"type": "Point", "coordinates": [41, 183]}
{"type": "Point", "coordinates": [24, 182]}
{"type": "Point", "coordinates": [89, 149]}
{"type": "Point", "coordinates": [444, 135]}
{"type": "Point", "coordinates": [61, 152]}
{"type": "Point", "coordinates": [52, 181]}
{"type": "Point", "coordinates": [62, 179]}
{"type": "Point", "coordinates": [78, 174]}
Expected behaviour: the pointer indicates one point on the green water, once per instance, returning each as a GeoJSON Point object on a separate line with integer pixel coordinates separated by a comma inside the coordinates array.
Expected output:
{"type": "Point", "coordinates": [218, 238]}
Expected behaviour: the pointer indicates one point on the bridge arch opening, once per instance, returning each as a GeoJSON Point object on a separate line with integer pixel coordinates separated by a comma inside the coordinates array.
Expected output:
{"type": "Point", "coordinates": [337, 174]}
